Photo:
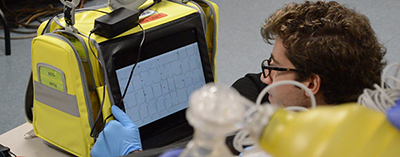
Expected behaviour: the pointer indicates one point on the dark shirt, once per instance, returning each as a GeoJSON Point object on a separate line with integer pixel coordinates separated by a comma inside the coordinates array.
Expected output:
{"type": "Point", "coordinates": [250, 87]}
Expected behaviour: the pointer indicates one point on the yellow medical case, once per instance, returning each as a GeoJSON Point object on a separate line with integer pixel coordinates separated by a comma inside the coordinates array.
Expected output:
{"type": "Point", "coordinates": [68, 99]}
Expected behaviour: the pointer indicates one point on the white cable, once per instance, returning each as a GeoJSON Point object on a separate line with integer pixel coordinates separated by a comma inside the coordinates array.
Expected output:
{"type": "Point", "coordinates": [242, 137]}
{"type": "Point", "coordinates": [394, 77]}
{"type": "Point", "coordinates": [382, 97]}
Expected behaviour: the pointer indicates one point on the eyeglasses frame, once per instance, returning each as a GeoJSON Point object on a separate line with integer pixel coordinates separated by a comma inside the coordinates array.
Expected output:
{"type": "Point", "coordinates": [270, 68]}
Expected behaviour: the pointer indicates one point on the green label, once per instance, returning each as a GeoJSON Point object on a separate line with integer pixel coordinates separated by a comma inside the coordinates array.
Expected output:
{"type": "Point", "coordinates": [51, 78]}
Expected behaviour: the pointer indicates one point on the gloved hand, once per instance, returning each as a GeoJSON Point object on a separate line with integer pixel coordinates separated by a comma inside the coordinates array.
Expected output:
{"type": "Point", "coordinates": [118, 138]}
{"type": "Point", "coordinates": [393, 115]}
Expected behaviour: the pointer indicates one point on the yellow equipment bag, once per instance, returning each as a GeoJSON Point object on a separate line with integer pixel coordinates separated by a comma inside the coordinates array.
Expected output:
{"type": "Point", "coordinates": [345, 130]}
{"type": "Point", "coordinates": [65, 100]}
{"type": "Point", "coordinates": [65, 104]}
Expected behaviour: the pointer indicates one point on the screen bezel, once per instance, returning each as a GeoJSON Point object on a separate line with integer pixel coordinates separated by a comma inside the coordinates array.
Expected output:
{"type": "Point", "coordinates": [164, 45]}
{"type": "Point", "coordinates": [122, 52]}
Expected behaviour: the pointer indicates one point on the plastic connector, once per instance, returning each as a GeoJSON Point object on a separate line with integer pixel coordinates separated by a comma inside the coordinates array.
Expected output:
{"type": "Point", "coordinates": [116, 22]}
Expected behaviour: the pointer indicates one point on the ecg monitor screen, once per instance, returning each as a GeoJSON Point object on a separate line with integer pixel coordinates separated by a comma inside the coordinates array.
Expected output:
{"type": "Point", "coordinates": [169, 61]}
{"type": "Point", "coordinates": [172, 64]}
{"type": "Point", "coordinates": [161, 85]}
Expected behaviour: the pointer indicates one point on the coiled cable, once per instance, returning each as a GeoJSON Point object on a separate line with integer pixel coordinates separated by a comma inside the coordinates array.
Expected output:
{"type": "Point", "coordinates": [242, 138]}
{"type": "Point", "coordinates": [382, 97]}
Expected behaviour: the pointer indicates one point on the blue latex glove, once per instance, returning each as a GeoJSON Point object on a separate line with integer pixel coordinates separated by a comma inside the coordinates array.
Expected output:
{"type": "Point", "coordinates": [393, 115]}
{"type": "Point", "coordinates": [172, 153]}
{"type": "Point", "coordinates": [118, 138]}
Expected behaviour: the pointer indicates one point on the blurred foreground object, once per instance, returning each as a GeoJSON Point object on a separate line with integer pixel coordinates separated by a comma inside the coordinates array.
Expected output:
{"type": "Point", "coordinates": [214, 112]}
{"type": "Point", "coordinates": [344, 130]}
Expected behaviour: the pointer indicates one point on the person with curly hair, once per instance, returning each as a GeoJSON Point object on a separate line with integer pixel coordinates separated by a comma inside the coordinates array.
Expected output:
{"type": "Point", "coordinates": [326, 46]}
{"type": "Point", "coordinates": [329, 48]}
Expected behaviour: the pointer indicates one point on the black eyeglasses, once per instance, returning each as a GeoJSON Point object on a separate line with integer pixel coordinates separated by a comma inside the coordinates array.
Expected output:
{"type": "Point", "coordinates": [266, 65]}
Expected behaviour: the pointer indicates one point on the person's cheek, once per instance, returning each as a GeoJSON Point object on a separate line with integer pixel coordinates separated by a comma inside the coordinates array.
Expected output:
{"type": "Point", "coordinates": [264, 80]}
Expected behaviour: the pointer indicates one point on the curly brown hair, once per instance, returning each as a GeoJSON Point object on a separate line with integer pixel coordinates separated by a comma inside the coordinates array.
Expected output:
{"type": "Point", "coordinates": [332, 41]}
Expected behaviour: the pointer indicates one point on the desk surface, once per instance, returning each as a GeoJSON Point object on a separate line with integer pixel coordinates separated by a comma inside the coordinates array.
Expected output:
{"type": "Point", "coordinates": [33, 147]}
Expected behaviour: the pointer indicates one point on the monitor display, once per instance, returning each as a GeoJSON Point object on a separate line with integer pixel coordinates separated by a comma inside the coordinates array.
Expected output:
{"type": "Point", "coordinates": [171, 63]}
{"type": "Point", "coordinates": [161, 85]}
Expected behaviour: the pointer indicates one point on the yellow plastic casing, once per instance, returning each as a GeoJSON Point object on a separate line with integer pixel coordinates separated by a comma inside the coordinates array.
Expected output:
{"type": "Point", "coordinates": [337, 131]}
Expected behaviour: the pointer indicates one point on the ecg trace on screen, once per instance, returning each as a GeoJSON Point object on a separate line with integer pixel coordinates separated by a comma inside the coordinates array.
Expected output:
{"type": "Point", "coordinates": [161, 85]}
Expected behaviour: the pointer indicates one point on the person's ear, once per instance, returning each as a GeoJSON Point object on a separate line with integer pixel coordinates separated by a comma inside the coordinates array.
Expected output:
{"type": "Point", "coordinates": [314, 84]}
